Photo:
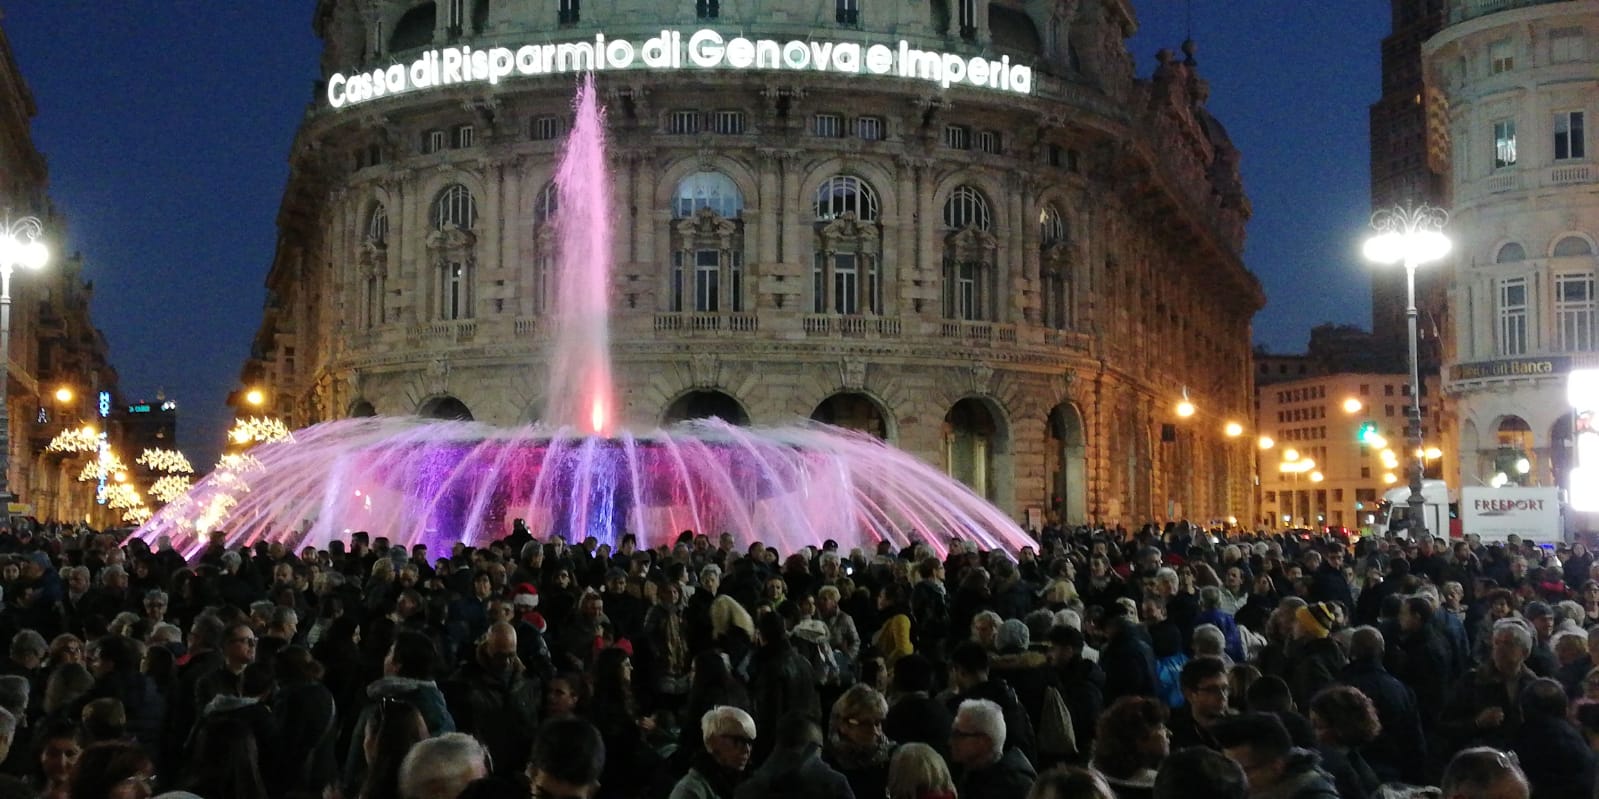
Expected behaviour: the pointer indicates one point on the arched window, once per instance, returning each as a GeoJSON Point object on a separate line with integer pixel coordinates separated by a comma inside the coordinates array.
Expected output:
{"type": "Point", "coordinates": [415, 29]}
{"type": "Point", "coordinates": [1572, 246]}
{"type": "Point", "coordinates": [1054, 269]}
{"type": "Point", "coordinates": [846, 274]}
{"type": "Point", "coordinates": [707, 271]}
{"type": "Point", "coordinates": [845, 194]}
{"type": "Point", "coordinates": [455, 207]}
{"type": "Point", "coordinates": [1510, 253]}
{"type": "Point", "coordinates": [377, 225]}
{"type": "Point", "coordinates": [970, 250]}
{"type": "Point", "coordinates": [966, 207]}
{"type": "Point", "coordinates": [707, 190]}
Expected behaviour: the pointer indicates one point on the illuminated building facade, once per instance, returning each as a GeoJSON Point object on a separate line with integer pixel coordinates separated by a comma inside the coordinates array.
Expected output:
{"type": "Point", "coordinates": [1520, 79]}
{"type": "Point", "coordinates": [963, 226]}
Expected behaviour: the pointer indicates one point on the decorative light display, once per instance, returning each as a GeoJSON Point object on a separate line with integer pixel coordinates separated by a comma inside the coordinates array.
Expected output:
{"type": "Point", "coordinates": [122, 496]}
{"type": "Point", "coordinates": [138, 515]}
{"type": "Point", "coordinates": [258, 430]}
{"type": "Point", "coordinates": [102, 469]}
{"type": "Point", "coordinates": [169, 487]}
{"type": "Point", "coordinates": [170, 461]}
{"type": "Point", "coordinates": [83, 439]}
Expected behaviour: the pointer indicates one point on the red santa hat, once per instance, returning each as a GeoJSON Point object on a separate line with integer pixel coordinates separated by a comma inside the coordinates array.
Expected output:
{"type": "Point", "coordinates": [525, 597]}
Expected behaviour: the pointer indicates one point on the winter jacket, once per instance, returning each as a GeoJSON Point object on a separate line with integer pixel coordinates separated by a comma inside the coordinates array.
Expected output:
{"type": "Point", "coordinates": [1312, 666]}
{"type": "Point", "coordinates": [919, 718]}
{"type": "Point", "coordinates": [306, 718]}
{"type": "Point", "coordinates": [781, 681]}
{"type": "Point", "coordinates": [1009, 777]}
{"type": "Point", "coordinates": [1479, 690]}
{"type": "Point", "coordinates": [795, 774]}
{"type": "Point", "coordinates": [424, 695]}
{"type": "Point", "coordinates": [502, 711]}
{"type": "Point", "coordinates": [141, 701]}
{"type": "Point", "coordinates": [1303, 778]}
{"type": "Point", "coordinates": [1129, 665]}
{"type": "Point", "coordinates": [1555, 758]}
{"type": "Point", "coordinates": [1399, 753]}
{"type": "Point", "coordinates": [1229, 632]}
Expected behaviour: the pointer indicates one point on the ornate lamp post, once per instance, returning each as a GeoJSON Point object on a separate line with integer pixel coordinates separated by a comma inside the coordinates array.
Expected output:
{"type": "Point", "coordinates": [19, 246]}
{"type": "Point", "coordinates": [1412, 236]}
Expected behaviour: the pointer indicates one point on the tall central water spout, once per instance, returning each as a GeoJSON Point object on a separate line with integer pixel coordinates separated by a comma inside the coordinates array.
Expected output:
{"type": "Point", "coordinates": [579, 385]}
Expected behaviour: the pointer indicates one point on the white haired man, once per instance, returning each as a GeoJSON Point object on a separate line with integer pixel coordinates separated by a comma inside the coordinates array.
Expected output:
{"type": "Point", "coordinates": [985, 769]}
{"type": "Point", "coordinates": [440, 768]}
{"type": "Point", "coordinates": [718, 769]}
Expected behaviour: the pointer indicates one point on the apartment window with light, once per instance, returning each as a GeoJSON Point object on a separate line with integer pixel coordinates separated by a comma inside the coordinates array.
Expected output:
{"type": "Point", "coordinates": [957, 137]}
{"type": "Point", "coordinates": [830, 126]}
{"type": "Point", "coordinates": [707, 9]}
{"type": "Point", "coordinates": [869, 128]}
{"type": "Point", "coordinates": [463, 136]}
{"type": "Point", "coordinates": [728, 122]}
{"type": "Point", "coordinates": [1504, 143]}
{"type": "Point", "coordinates": [1574, 310]}
{"type": "Point", "coordinates": [1569, 142]}
{"type": "Point", "coordinates": [847, 12]}
{"type": "Point", "coordinates": [988, 141]}
{"type": "Point", "coordinates": [433, 141]}
{"type": "Point", "coordinates": [546, 128]}
{"type": "Point", "coordinates": [1513, 316]}
{"type": "Point", "coordinates": [683, 122]}
{"type": "Point", "coordinates": [1501, 57]}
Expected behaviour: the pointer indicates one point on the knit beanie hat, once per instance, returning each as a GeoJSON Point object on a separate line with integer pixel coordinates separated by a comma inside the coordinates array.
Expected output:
{"type": "Point", "coordinates": [1316, 621]}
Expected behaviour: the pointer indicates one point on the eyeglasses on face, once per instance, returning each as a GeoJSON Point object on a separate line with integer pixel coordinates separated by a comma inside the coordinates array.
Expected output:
{"type": "Point", "coordinates": [245, 641]}
{"type": "Point", "coordinates": [957, 733]}
{"type": "Point", "coordinates": [740, 741]}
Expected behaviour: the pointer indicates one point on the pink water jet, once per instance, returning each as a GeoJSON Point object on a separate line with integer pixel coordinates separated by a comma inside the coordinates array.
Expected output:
{"type": "Point", "coordinates": [576, 475]}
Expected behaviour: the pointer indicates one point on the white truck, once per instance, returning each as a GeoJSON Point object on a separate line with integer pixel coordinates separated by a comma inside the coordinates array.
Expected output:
{"type": "Point", "coordinates": [1393, 513]}
{"type": "Point", "coordinates": [1495, 514]}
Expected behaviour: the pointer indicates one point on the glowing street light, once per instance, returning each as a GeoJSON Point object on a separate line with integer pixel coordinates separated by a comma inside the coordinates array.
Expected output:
{"type": "Point", "coordinates": [19, 246]}
{"type": "Point", "coordinates": [1290, 454]}
{"type": "Point", "coordinates": [1266, 442]}
{"type": "Point", "coordinates": [63, 395]}
{"type": "Point", "coordinates": [1353, 405]}
{"type": "Point", "coordinates": [1233, 429]}
{"type": "Point", "coordinates": [1411, 236]}
{"type": "Point", "coordinates": [255, 397]}
{"type": "Point", "coordinates": [1185, 407]}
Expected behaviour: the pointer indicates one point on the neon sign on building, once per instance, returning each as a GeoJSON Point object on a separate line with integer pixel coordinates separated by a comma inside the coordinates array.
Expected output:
{"type": "Point", "coordinates": [703, 49]}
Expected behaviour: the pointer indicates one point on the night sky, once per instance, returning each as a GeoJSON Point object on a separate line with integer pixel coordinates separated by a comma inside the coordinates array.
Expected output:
{"type": "Point", "coordinates": [167, 125]}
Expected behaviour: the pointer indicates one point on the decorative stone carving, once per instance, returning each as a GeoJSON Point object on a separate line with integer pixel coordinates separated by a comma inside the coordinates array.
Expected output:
{"type": "Point", "coordinates": [707, 227]}
{"type": "Point", "coordinates": [451, 239]}
{"type": "Point", "coordinates": [982, 374]}
{"type": "Point", "coordinates": [703, 369]}
{"type": "Point", "coordinates": [852, 374]}
{"type": "Point", "coordinates": [438, 376]}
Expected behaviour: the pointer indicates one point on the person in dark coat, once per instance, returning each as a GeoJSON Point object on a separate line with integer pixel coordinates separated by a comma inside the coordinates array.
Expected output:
{"type": "Point", "coordinates": [1399, 752]}
{"type": "Point", "coordinates": [781, 681]}
{"type": "Point", "coordinates": [913, 714]}
{"type": "Point", "coordinates": [1081, 683]}
{"type": "Point", "coordinates": [1420, 658]}
{"type": "Point", "coordinates": [970, 678]}
{"type": "Point", "coordinates": [1127, 659]}
{"type": "Point", "coordinates": [1327, 583]}
{"type": "Point", "coordinates": [1205, 691]}
{"type": "Point", "coordinates": [494, 698]}
{"type": "Point", "coordinates": [116, 669]}
{"type": "Point", "coordinates": [306, 720]}
{"type": "Point", "coordinates": [1557, 761]}
{"type": "Point", "coordinates": [1313, 659]}
{"type": "Point", "coordinates": [1481, 711]}
{"type": "Point", "coordinates": [1276, 769]}
{"type": "Point", "coordinates": [986, 768]}
{"type": "Point", "coordinates": [1346, 722]}
{"type": "Point", "coordinates": [795, 768]}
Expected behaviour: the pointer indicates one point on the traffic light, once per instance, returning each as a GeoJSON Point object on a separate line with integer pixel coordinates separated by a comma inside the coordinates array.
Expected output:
{"type": "Point", "coordinates": [1367, 433]}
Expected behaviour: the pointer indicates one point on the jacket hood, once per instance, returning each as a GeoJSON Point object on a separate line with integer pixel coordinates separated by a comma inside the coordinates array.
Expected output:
{"type": "Point", "coordinates": [1302, 779]}
{"type": "Point", "coordinates": [223, 704]}
{"type": "Point", "coordinates": [1019, 660]}
{"type": "Point", "coordinates": [398, 686]}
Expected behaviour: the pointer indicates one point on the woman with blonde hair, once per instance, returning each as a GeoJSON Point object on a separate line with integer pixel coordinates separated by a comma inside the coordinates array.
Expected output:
{"type": "Point", "coordinates": [917, 771]}
{"type": "Point", "coordinates": [856, 745]}
{"type": "Point", "coordinates": [733, 632]}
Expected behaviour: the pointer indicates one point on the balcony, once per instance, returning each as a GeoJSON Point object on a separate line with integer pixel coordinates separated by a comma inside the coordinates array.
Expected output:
{"type": "Point", "coordinates": [851, 326]}
{"type": "Point", "coordinates": [692, 323]}
{"type": "Point", "coordinates": [1462, 10]}
{"type": "Point", "coordinates": [1567, 174]}
{"type": "Point", "coordinates": [458, 331]}
{"type": "Point", "coordinates": [1495, 184]}
{"type": "Point", "coordinates": [978, 332]}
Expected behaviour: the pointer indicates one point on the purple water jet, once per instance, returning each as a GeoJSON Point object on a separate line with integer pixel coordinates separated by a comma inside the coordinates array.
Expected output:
{"type": "Point", "coordinates": [438, 483]}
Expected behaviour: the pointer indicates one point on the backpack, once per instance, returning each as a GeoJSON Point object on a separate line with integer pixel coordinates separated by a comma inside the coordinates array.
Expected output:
{"type": "Point", "coordinates": [1057, 740]}
{"type": "Point", "coordinates": [929, 616]}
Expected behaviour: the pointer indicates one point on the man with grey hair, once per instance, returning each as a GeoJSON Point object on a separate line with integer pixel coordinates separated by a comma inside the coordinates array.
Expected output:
{"type": "Point", "coordinates": [1571, 651]}
{"type": "Point", "coordinates": [441, 767]}
{"type": "Point", "coordinates": [1484, 773]}
{"type": "Point", "coordinates": [1484, 710]}
{"type": "Point", "coordinates": [718, 769]}
{"type": "Point", "coordinates": [985, 769]}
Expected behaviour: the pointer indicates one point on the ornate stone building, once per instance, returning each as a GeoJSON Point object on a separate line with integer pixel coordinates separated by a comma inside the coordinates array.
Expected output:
{"type": "Point", "coordinates": [1519, 77]}
{"type": "Point", "coordinates": [54, 343]}
{"type": "Point", "coordinates": [1015, 283]}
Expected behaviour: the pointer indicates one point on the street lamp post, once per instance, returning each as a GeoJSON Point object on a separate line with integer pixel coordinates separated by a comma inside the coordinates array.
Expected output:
{"type": "Point", "coordinates": [1412, 236]}
{"type": "Point", "coordinates": [19, 246]}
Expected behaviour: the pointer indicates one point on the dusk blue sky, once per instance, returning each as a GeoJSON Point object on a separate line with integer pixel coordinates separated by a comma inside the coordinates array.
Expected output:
{"type": "Point", "coordinates": [167, 125]}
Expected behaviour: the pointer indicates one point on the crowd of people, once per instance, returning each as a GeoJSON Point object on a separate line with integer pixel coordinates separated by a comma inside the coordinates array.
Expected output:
{"type": "Point", "coordinates": [1101, 664]}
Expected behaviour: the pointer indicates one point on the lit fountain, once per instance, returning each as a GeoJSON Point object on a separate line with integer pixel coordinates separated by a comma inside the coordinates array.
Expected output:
{"type": "Point", "coordinates": [436, 482]}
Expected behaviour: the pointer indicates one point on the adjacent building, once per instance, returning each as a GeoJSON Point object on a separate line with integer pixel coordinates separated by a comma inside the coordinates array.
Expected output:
{"type": "Point", "coordinates": [1016, 279]}
{"type": "Point", "coordinates": [1519, 78]}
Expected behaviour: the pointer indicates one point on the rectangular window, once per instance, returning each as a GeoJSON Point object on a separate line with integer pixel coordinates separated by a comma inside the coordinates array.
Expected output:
{"type": "Point", "coordinates": [847, 12]}
{"type": "Point", "coordinates": [1501, 57]}
{"type": "Point", "coordinates": [966, 292]}
{"type": "Point", "coordinates": [869, 128]}
{"type": "Point", "coordinates": [433, 141]}
{"type": "Point", "coordinates": [846, 284]}
{"type": "Point", "coordinates": [1574, 308]}
{"type": "Point", "coordinates": [675, 303]}
{"type": "Point", "coordinates": [453, 298]}
{"type": "Point", "coordinates": [988, 141]}
{"type": "Point", "coordinates": [546, 128]}
{"type": "Point", "coordinates": [957, 137]}
{"type": "Point", "coordinates": [707, 9]}
{"type": "Point", "coordinates": [455, 19]}
{"type": "Point", "coordinates": [1504, 143]}
{"type": "Point", "coordinates": [463, 136]}
{"type": "Point", "coordinates": [967, 18]}
{"type": "Point", "coordinates": [735, 282]}
{"type": "Point", "coordinates": [729, 123]}
{"type": "Point", "coordinates": [1567, 45]}
{"type": "Point", "coordinates": [1569, 141]}
{"type": "Point", "coordinates": [568, 14]}
{"type": "Point", "coordinates": [683, 123]}
{"type": "Point", "coordinates": [1513, 316]}
{"type": "Point", "coordinates": [830, 126]}
{"type": "Point", "coordinates": [707, 279]}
